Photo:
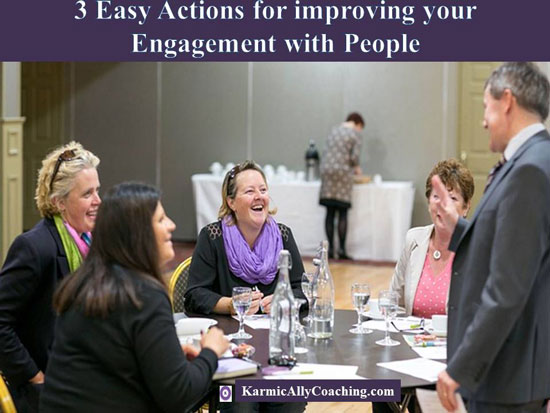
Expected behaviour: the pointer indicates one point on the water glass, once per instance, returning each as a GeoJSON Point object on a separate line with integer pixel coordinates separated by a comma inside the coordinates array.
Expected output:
{"type": "Point", "coordinates": [242, 299]}
{"type": "Point", "coordinates": [360, 295]}
{"type": "Point", "coordinates": [387, 303]}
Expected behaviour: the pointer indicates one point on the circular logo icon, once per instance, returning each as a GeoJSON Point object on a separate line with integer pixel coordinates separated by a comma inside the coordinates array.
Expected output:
{"type": "Point", "coordinates": [226, 394]}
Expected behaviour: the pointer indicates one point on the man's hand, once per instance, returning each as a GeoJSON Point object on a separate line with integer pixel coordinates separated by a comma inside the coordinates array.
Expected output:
{"type": "Point", "coordinates": [447, 215]}
{"type": "Point", "coordinates": [446, 388]}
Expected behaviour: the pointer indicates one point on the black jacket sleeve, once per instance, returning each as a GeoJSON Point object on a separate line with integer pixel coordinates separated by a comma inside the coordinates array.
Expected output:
{"type": "Point", "coordinates": [172, 380]}
{"type": "Point", "coordinates": [19, 281]}
{"type": "Point", "coordinates": [200, 296]}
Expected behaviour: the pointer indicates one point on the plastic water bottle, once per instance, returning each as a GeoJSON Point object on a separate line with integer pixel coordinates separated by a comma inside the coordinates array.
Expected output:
{"type": "Point", "coordinates": [322, 306]}
{"type": "Point", "coordinates": [281, 328]}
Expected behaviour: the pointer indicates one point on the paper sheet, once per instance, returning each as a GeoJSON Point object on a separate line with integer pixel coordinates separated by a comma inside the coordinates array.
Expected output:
{"type": "Point", "coordinates": [402, 323]}
{"type": "Point", "coordinates": [312, 371]}
{"type": "Point", "coordinates": [429, 402]}
{"type": "Point", "coordinates": [422, 368]}
{"type": "Point", "coordinates": [434, 353]}
{"type": "Point", "coordinates": [256, 321]}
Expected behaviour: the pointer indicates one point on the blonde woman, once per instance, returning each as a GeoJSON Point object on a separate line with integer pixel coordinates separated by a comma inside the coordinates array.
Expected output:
{"type": "Point", "coordinates": [67, 198]}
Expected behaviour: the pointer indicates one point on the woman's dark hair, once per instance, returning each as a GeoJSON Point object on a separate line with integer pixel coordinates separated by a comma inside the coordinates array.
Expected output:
{"type": "Point", "coordinates": [356, 118]}
{"type": "Point", "coordinates": [123, 239]}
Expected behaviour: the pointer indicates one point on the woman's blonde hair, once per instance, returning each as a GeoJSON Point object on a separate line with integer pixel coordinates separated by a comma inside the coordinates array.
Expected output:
{"type": "Point", "coordinates": [229, 189]}
{"type": "Point", "coordinates": [63, 181]}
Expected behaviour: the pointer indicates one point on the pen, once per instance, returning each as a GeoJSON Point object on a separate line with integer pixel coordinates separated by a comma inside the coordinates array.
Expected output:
{"type": "Point", "coordinates": [255, 288]}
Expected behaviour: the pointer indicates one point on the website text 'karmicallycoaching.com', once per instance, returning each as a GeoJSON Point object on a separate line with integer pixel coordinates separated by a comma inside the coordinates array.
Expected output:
{"type": "Point", "coordinates": [312, 391]}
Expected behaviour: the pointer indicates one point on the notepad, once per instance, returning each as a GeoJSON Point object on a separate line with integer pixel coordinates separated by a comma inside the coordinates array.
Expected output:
{"type": "Point", "coordinates": [234, 367]}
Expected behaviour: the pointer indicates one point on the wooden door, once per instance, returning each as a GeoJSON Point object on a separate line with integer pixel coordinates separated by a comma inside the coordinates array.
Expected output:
{"type": "Point", "coordinates": [43, 103]}
{"type": "Point", "coordinates": [473, 139]}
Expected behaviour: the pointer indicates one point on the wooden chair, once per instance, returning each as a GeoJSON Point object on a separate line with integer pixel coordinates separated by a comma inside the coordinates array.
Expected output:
{"type": "Point", "coordinates": [6, 402]}
{"type": "Point", "coordinates": [178, 285]}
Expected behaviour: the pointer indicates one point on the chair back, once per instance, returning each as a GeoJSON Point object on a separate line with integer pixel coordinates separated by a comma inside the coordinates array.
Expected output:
{"type": "Point", "coordinates": [6, 402]}
{"type": "Point", "coordinates": [178, 285]}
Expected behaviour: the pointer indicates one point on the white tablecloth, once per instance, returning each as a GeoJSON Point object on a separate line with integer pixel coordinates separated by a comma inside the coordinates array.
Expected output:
{"type": "Point", "coordinates": [377, 222]}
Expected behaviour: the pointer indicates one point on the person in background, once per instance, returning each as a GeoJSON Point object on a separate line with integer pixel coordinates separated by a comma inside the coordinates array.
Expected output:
{"type": "Point", "coordinates": [242, 249]}
{"type": "Point", "coordinates": [116, 347]}
{"type": "Point", "coordinates": [340, 161]}
{"type": "Point", "coordinates": [67, 196]}
{"type": "Point", "coordinates": [498, 333]}
{"type": "Point", "coordinates": [423, 273]}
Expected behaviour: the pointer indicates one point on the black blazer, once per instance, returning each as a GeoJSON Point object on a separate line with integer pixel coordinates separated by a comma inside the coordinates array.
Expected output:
{"type": "Point", "coordinates": [499, 301]}
{"type": "Point", "coordinates": [130, 361]}
{"type": "Point", "coordinates": [35, 263]}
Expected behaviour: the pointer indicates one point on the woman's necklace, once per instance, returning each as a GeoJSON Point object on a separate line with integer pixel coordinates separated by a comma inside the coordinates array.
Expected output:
{"type": "Point", "coordinates": [436, 254]}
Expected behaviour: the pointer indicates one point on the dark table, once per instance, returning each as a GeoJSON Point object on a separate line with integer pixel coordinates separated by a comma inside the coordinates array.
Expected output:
{"type": "Point", "coordinates": [343, 348]}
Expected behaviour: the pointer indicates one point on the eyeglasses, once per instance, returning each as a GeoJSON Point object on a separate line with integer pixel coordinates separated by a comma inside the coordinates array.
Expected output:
{"type": "Point", "coordinates": [68, 155]}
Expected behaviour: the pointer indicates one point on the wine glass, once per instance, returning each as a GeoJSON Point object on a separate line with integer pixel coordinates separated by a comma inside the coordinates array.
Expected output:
{"type": "Point", "coordinates": [306, 289]}
{"type": "Point", "coordinates": [360, 294]}
{"type": "Point", "coordinates": [299, 333]}
{"type": "Point", "coordinates": [387, 303]}
{"type": "Point", "coordinates": [242, 299]}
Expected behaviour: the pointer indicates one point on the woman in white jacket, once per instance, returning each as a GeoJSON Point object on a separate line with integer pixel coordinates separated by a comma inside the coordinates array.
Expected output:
{"type": "Point", "coordinates": [423, 273]}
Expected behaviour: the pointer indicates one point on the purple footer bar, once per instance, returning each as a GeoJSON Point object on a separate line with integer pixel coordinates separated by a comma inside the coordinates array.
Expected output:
{"type": "Point", "coordinates": [317, 390]}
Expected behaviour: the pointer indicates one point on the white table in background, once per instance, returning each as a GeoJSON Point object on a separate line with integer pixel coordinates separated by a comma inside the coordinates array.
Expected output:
{"type": "Point", "coordinates": [377, 222]}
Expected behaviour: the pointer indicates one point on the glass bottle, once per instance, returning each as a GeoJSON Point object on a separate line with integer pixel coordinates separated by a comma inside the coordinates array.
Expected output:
{"type": "Point", "coordinates": [281, 328]}
{"type": "Point", "coordinates": [312, 162]}
{"type": "Point", "coordinates": [322, 306]}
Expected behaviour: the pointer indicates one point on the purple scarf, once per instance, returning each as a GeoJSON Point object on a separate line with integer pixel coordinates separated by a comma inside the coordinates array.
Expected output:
{"type": "Point", "coordinates": [258, 264]}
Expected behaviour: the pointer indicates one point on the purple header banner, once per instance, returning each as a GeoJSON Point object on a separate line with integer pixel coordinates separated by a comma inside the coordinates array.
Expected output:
{"type": "Point", "coordinates": [278, 30]}
{"type": "Point", "coordinates": [316, 391]}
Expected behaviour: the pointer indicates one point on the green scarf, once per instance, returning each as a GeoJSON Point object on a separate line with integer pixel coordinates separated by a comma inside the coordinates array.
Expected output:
{"type": "Point", "coordinates": [73, 254]}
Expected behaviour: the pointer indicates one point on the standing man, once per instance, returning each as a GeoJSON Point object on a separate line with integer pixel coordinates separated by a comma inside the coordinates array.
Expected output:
{"type": "Point", "coordinates": [499, 302]}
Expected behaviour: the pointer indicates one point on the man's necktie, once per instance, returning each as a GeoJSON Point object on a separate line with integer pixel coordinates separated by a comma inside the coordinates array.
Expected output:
{"type": "Point", "coordinates": [494, 171]}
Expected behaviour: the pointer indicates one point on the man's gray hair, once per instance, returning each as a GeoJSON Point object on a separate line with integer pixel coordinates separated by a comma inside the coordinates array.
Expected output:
{"type": "Point", "coordinates": [526, 82]}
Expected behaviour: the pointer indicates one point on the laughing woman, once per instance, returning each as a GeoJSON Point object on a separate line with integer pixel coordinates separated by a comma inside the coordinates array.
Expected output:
{"type": "Point", "coordinates": [68, 199]}
{"type": "Point", "coordinates": [241, 249]}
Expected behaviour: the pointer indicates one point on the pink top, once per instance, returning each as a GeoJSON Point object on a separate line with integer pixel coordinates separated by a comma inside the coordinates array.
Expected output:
{"type": "Point", "coordinates": [431, 293]}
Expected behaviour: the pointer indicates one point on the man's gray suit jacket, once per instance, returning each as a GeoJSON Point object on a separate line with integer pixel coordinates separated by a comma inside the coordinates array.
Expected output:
{"type": "Point", "coordinates": [499, 300]}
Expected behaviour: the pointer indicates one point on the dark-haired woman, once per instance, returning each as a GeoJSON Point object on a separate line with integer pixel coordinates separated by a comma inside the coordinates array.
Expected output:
{"type": "Point", "coordinates": [115, 347]}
